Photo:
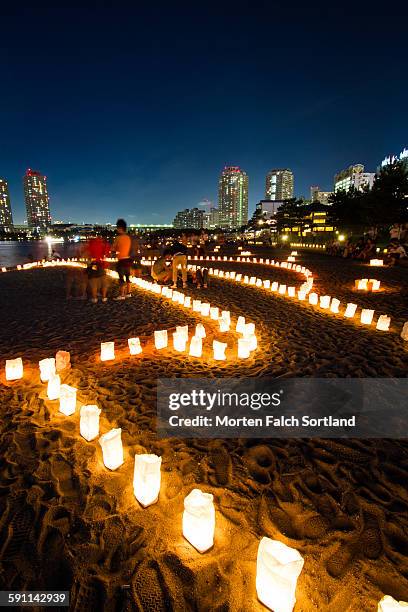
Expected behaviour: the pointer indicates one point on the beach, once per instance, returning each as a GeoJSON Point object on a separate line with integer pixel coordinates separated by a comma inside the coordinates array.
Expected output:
{"type": "Point", "coordinates": [68, 523]}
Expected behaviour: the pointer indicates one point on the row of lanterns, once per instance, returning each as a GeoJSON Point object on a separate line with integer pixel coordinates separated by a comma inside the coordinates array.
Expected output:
{"type": "Point", "coordinates": [304, 293]}
{"type": "Point", "coordinates": [278, 565]}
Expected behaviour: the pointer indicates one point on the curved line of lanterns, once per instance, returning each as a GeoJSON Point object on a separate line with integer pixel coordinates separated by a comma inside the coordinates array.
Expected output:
{"type": "Point", "coordinates": [278, 565]}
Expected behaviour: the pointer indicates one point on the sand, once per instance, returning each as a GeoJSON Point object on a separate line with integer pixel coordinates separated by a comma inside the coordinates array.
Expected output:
{"type": "Point", "coordinates": [69, 523]}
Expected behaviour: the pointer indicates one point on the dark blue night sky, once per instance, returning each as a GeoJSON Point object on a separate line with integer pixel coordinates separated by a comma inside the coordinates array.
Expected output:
{"type": "Point", "coordinates": [134, 111]}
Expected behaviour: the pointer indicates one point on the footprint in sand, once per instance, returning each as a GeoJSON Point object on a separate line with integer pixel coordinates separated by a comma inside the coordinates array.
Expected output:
{"type": "Point", "coordinates": [221, 463]}
{"type": "Point", "coordinates": [87, 594]}
{"type": "Point", "coordinates": [62, 472]}
{"type": "Point", "coordinates": [371, 537]}
{"type": "Point", "coordinates": [341, 559]}
{"type": "Point", "coordinates": [261, 463]}
{"type": "Point", "coordinates": [149, 590]}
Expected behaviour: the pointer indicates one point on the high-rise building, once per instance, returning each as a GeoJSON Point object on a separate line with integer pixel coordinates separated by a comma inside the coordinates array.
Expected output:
{"type": "Point", "coordinates": [391, 159]}
{"type": "Point", "coordinates": [36, 199]}
{"type": "Point", "coordinates": [6, 217]}
{"type": "Point", "coordinates": [211, 218]}
{"type": "Point", "coordinates": [353, 177]}
{"type": "Point", "coordinates": [279, 184]}
{"type": "Point", "coordinates": [316, 195]}
{"type": "Point", "coordinates": [190, 218]}
{"type": "Point", "coordinates": [233, 197]}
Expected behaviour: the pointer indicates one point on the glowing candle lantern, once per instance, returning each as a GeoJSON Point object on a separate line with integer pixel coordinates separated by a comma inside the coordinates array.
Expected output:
{"type": "Point", "coordinates": [47, 369]}
{"type": "Point", "coordinates": [362, 284]}
{"type": "Point", "coordinates": [404, 333]}
{"type": "Point", "coordinates": [221, 274]}
{"type": "Point", "coordinates": [54, 387]}
{"type": "Point", "coordinates": [205, 309]}
{"type": "Point", "coordinates": [219, 350]}
{"type": "Point", "coordinates": [4, 269]}
{"type": "Point", "coordinates": [375, 284]}
{"type": "Point", "coordinates": [134, 346]}
{"type": "Point", "coordinates": [389, 604]}
{"type": "Point", "coordinates": [258, 282]}
{"type": "Point", "coordinates": [196, 347]}
{"type": "Point", "coordinates": [248, 330]}
{"type": "Point", "coordinates": [14, 369]}
{"type": "Point", "coordinates": [238, 277]}
{"type": "Point", "coordinates": [214, 313]}
{"type": "Point", "coordinates": [325, 301]}
{"type": "Point", "coordinates": [181, 299]}
{"type": "Point", "coordinates": [175, 296]}
{"type": "Point", "coordinates": [67, 400]}
{"type": "Point", "coordinates": [232, 274]}
{"type": "Point", "coordinates": [334, 307]}
{"type": "Point", "coordinates": [350, 310]}
{"type": "Point", "coordinates": [200, 330]}
{"type": "Point", "coordinates": [196, 305]}
{"type": "Point", "coordinates": [199, 520]}
{"type": "Point", "coordinates": [301, 295]}
{"type": "Point", "coordinates": [243, 348]}
{"type": "Point", "coordinates": [107, 351]}
{"type": "Point", "coordinates": [146, 479]}
{"type": "Point", "coordinates": [224, 325]}
{"type": "Point", "coordinates": [313, 298]}
{"type": "Point", "coordinates": [277, 569]}
{"type": "Point", "coordinates": [240, 326]}
{"type": "Point", "coordinates": [246, 280]}
{"type": "Point", "coordinates": [252, 280]}
{"type": "Point", "coordinates": [267, 284]}
{"type": "Point", "coordinates": [160, 339]}
{"type": "Point", "coordinates": [366, 316]}
{"type": "Point", "coordinates": [226, 315]}
{"type": "Point", "coordinates": [282, 289]}
{"type": "Point", "coordinates": [253, 342]}
{"type": "Point", "coordinates": [376, 262]}
{"type": "Point", "coordinates": [274, 286]}
{"type": "Point", "coordinates": [289, 266]}
{"type": "Point", "coordinates": [62, 361]}
{"type": "Point", "coordinates": [267, 262]}
{"type": "Point", "coordinates": [183, 330]}
{"type": "Point", "coordinates": [292, 291]}
{"type": "Point", "coordinates": [112, 448]}
{"type": "Point", "coordinates": [383, 323]}
{"type": "Point", "coordinates": [179, 342]}
{"type": "Point", "coordinates": [294, 253]}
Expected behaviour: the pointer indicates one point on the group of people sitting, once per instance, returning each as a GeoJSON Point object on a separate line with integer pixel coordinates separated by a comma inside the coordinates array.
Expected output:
{"type": "Point", "coordinates": [165, 269]}
{"type": "Point", "coordinates": [366, 249]}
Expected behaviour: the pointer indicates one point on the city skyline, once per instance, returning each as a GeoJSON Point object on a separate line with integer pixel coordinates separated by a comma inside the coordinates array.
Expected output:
{"type": "Point", "coordinates": [137, 117]}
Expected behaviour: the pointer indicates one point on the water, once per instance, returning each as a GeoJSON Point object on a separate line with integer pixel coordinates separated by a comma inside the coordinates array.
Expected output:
{"type": "Point", "coordinates": [13, 253]}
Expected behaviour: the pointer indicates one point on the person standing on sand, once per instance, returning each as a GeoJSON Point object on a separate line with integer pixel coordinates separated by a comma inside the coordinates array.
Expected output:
{"type": "Point", "coordinates": [122, 247]}
{"type": "Point", "coordinates": [179, 253]}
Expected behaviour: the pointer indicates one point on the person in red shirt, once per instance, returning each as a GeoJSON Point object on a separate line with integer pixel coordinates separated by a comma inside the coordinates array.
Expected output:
{"type": "Point", "coordinates": [98, 250]}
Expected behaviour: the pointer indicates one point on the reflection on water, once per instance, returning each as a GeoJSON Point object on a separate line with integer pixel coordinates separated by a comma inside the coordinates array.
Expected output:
{"type": "Point", "coordinates": [14, 252]}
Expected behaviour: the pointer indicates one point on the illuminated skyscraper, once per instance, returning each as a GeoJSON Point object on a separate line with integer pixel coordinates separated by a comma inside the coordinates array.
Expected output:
{"type": "Point", "coordinates": [6, 217]}
{"type": "Point", "coordinates": [353, 177]}
{"type": "Point", "coordinates": [233, 197]}
{"type": "Point", "coordinates": [36, 199]}
{"type": "Point", "coordinates": [279, 184]}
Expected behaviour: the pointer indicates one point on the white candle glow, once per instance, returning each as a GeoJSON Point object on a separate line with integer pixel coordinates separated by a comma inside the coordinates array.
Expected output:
{"type": "Point", "coordinates": [325, 301]}
{"type": "Point", "coordinates": [134, 346]}
{"type": "Point", "coordinates": [274, 286]}
{"type": "Point", "coordinates": [301, 294]}
{"type": "Point", "coordinates": [199, 520]}
{"type": "Point", "coordinates": [14, 369]}
{"type": "Point", "coordinates": [205, 309]}
{"type": "Point", "coordinates": [243, 348]}
{"type": "Point", "coordinates": [376, 262]}
{"type": "Point", "coordinates": [383, 323]}
{"type": "Point", "coordinates": [248, 330]}
{"type": "Point", "coordinates": [292, 291]}
{"type": "Point", "coordinates": [267, 284]}
{"type": "Point", "coordinates": [179, 342]}
{"type": "Point", "coordinates": [253, 342]}
{"type": "Point", "coordinates": [200, 331]}
{"type": "Point", "coordinates": [160, 339]}
{"type": "Point", "coordinates": [277, 569]}
{"type": "Point", "coordinates": [112, 448]}
{"type": "Point", "coordinates": [47, 369]}
{"type": "Point", "coordinates": [219, 350]}
{"type": "Point", "coordinates": [214, 313]}
{"type": "Point", "coordinates": [334, 307]}
{"type": "Point", "coordinates": [107, 351]}
{"type": "Point", "coordinates": [313, 298]}
{"type": "Point", "coordinates": [350, 310]}
{"type": "Point", "coordinates": [54, 387]}
{"type": "Point", "coordinates": [240, 326]}
{"type": "Point", "coordinates": [389, 604]}
{"type": "Point", "coordinates": [224, 325]}
{"type": "Point", "coordinates": [362, 284]}
{"type": "Point", "coordinates": [366, 316]}
{"type": "Point", "coordinates": [89, 422]}
{"type": "Point", "coordinates": [226, 315]}
{"type": "Point", "coordinates": [187, 301]}
{"type": "Point", "coordinates": [282, 289]}
{"type": "Point", "coordinates": [375, 284]}
{"type": "Point", "coordinates": [196, 305]}
{"type": "Point", "coordinates": [196, 347]}
{"type": "Point", "coordinates": [67, 400]}
{"type": "Point", "coordinates": [147, 479]}
{"type": "Point", "coordinates": [183, 330]}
